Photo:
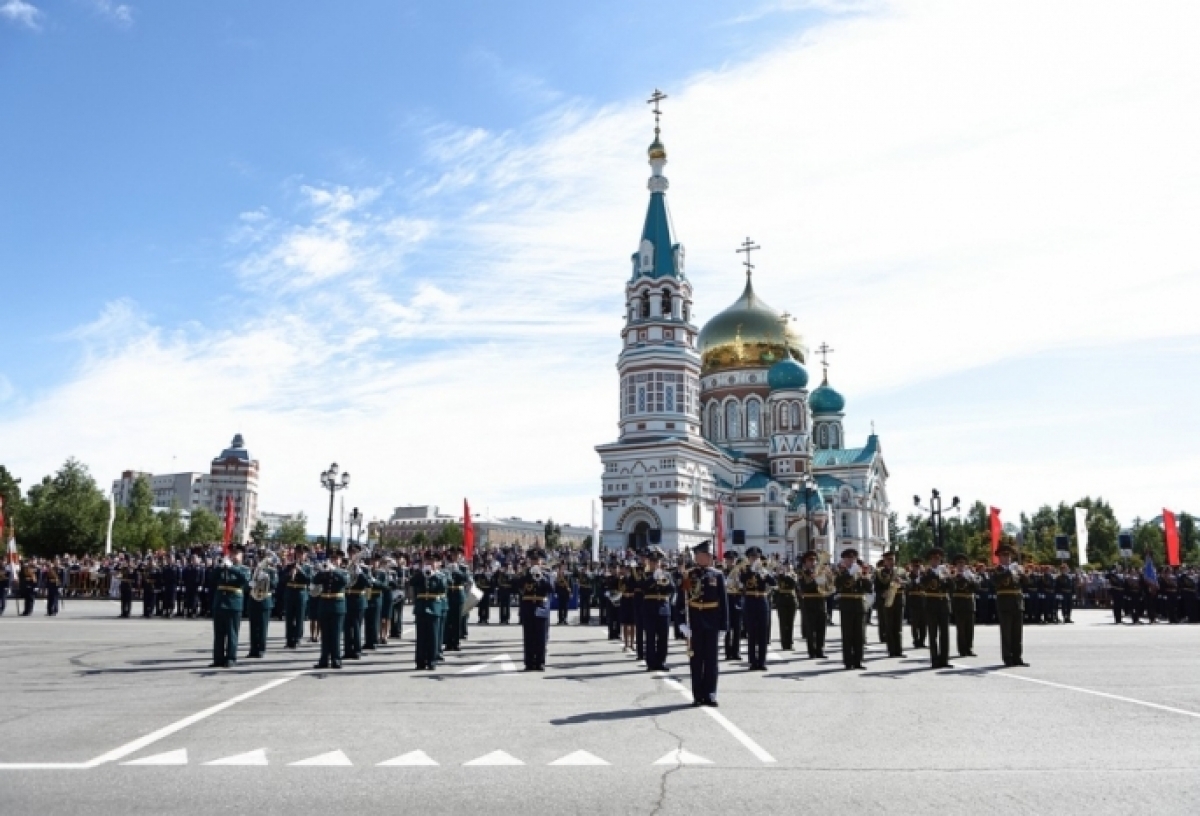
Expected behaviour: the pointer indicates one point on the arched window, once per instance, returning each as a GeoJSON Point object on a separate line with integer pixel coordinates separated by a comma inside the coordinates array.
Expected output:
{"type": "Point", "coordinates": [835, 438]}
{"type": "Point", "coordinates": [696, 515]}
{"type": "Point", "coordinates": [666, 304]}
{"type": "Point", "coordinates": [823, 436]}
{"type": "Point", "coordinates": [733, 420]}
{"type": "Point", "coordinates": [646, 307]}
{"type": "Point", "coordinates": [783, 418]}
{"type": "Point", "coordinates": [796, 423]}
{"type": "Point", "coordinates": [753, 413]}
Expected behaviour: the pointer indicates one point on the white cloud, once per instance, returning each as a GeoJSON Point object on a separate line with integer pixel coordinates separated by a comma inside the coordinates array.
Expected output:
{"type": "Point", "coordinates": [937, 188]}
{"type": "Point", "coordinates": [119, 13]}
{"type": "Point", "coordinates": [21, 13]}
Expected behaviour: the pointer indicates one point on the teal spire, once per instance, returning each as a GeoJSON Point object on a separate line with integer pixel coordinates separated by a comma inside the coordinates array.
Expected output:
{"type": "Point", "coordinates": [657, 256]}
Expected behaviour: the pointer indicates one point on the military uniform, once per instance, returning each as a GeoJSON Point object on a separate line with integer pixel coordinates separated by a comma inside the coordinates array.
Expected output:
{"type": "Point", "coordinates": [891, 618]}
{"type": "Point", "coordinates": [756, 610]}
{"type": "Point", "coordinates": [814, 616]}
{"type": "Point", "coordinates": [483, 582]}
{"type": "Point", "coordinates": [914, 602]}
{"type": "Point", "coordinates": [936, 592]}
{"type": "Point", "coordinates": [149, 580]}
{"type": "Point", "coordinates": [733, 635]}
{"type": "Point", "coordinates": [1010, 600]}
{"type": "Point", "coordinates": [504, 587]}
{"type": "Point", "coordinates": [456, 596]}
{"type": "Point", "coordinates": [787, 601]}
{"type": "Point", "coordinates": [329, 588]}
{"type": "Point", "coordinates": [27, 587]}
{"type": "Point", "coordinates": [708, 616]}
{"type": "Point", "coordinates": [962, 603]}
{"type": "Point", "coordinates": [613, 584]}
{"type": "Point", "coordinates": [1116, 595]}
{"type": "Point", "coordinates": [53, 590]}
{"type": "Point", "coordinates": [229, 586]}
{"type": "Point", "coordinates": [583, 580]}
{"type": "Point", "coordinates": [851, 588]}
{"type": "Point", "coordinates": [429, 612]}
{"type": "Point", "coordinates": [372, 616]}
{"type": "Point", "coordinates": [5, 582]}
{"type": "Point", "coordinates": [356, 608]}
{"type": "Point", "coordinates": [657, 594]}
{"type": "Point", "coordinates": [1189, 598]}
{"type": "Point", "coordinates": [562, 595]}
{"type": "Point", "coordinates": [297, 579]}
{"type": "Point", "coordinates": [259, 613]}
{"type": "Point", "coordinates": [535, 618]}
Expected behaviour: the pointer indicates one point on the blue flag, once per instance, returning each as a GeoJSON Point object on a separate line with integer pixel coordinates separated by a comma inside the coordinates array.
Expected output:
{"type": "Point", "coordinates": [1148, 571]}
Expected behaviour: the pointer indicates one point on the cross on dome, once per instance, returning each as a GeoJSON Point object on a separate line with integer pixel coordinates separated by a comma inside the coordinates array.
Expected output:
{"type": "Point", "coordinates": [655, 98]}
{"type": "Point", "coordinates": [825, 351]}
{"type": "Point", "coordinates": [748, 246]}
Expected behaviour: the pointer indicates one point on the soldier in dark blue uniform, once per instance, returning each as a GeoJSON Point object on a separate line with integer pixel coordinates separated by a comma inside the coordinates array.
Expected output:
{"type": "Point", "coordinates": [708, 617]}
{"type": "Point", "coordinates": [297, 577]}
{"type": "Point", "coordinates": [329, 588]}
{"type": "Point", "coordinates": [535, 587]}
{"type": "Point", "coordinates": [456, 596]}
{"type": "Point", "coordinates": [657, 592]}
{"type": "Point", "coordinates": [429, 612]}
{"type": "Point", "coordinates": [230, 581]}
{"type": "Point", "coordinates": [191, 579]}
{"type": "Point", "coordinates": [1116, 593]}
{"type": "Point", "coordinates": [563, 585]}
{"type": "Point", "coordinates": [1064, 587]}
{"type": "Point", "coordinates": [756, 585]}
{"type": "Point", "coordinates": [733, 635]}
{"type": "Point", "coordinates": [505, 580]}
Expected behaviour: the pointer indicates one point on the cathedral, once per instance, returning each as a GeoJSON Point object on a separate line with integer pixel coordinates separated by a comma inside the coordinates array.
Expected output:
{"type": "Point", "coordinates": [721, 420]}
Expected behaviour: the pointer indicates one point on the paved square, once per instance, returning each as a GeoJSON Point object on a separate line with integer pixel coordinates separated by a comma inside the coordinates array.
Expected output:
{"type": "Point", "coordinates": [103, 715]}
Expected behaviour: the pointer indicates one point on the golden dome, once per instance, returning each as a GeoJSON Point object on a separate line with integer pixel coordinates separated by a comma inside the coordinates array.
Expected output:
{"type": "Point", "coordinates": [748, 333]}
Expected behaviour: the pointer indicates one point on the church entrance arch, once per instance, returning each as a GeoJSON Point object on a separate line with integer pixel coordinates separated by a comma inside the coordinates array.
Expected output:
{"type": "Point", "coordinates": [642, 527]}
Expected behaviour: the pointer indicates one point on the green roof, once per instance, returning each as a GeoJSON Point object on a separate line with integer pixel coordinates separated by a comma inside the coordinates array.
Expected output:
{"type": "Point", "coordinates": [848, 456]}
{"type": "Point", "coordinates": [657, 231]}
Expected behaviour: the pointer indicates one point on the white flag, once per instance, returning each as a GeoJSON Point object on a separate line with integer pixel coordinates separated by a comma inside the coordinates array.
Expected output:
{"type": "Point", "coordinates": [595, 534]}
{"type": "Point", "coordinates": [112, 514]}
{"type": "Point", "coordinates": [1081, 533]}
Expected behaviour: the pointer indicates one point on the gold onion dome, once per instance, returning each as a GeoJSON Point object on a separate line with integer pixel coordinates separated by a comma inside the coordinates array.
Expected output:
{"type": "Point", "coordinates": [657, 149]}
{"type": "Point", "coordinates": [748, 333]}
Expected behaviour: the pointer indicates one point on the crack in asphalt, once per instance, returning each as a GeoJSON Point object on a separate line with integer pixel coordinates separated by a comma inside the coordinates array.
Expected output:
{"type": "Point", "coordinates": [663, 781]}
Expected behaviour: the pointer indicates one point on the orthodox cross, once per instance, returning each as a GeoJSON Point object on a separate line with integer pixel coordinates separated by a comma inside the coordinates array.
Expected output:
{"type": "Point", "coordinates": [825, 351]}
{"type": "Point", "coordinates": [748, 246]}
{"type": "Point", "coordinates": [655, 98]}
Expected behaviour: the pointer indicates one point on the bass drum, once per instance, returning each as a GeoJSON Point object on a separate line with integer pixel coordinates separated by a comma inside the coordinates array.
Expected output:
{"type": "Point", "coordinates": [474, 596]}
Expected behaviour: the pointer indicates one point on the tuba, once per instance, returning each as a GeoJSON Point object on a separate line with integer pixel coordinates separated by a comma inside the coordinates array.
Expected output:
{"type": "Point", "coordinates": [260, 582]}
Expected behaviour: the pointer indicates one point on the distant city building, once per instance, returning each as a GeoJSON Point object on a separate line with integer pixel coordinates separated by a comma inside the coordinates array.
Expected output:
{"type": "Point", "coordinates": [233, 474]}
{"type": "Point", "coordinates": [406, 522]}
{"type": "Point", "coordinates": [275, 521]}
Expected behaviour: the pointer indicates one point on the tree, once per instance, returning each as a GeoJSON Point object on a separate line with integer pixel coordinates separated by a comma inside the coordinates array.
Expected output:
{"type": "Point", "coordinates": [174, 531]}
{"type": "Point", "coordinates": [553, 535]}
{"type": "Point", "coordinates": [14, 504]}
{"type": "Point", "coordinates": [259, 533]}
{"type": "Point", "coordinates": [204, 528]}
{"type": "Point", "coordinates": [916, 538]}
{"type": "Point", "coordinates": [451, 535]}
{"type": "Point", "coordinates": [1189, 541]}
{"type": "Point", "coordinates": [136, 527]}
{"type": "Point", "coordinates": [67, 513]}
{"type": "Point", "coordinates": [419, 541]}
{"type": "Point", "coordinates": [293, 532]}
{"type": "Point", "coordinates": [1148, 541]}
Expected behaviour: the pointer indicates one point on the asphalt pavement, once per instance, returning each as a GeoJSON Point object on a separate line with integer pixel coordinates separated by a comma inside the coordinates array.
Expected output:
{"type": "Point", "coordinates": [101, 715]}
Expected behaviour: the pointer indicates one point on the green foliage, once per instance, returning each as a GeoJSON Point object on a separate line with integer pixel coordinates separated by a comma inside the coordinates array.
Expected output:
{"type": "Point", "coordinates": [419, 541]}
{"type": "Point", "coordinates": [136, 527]}
{"type": "Point", "coordinates": [259, 533]}
{"type": "Point", "coordinates": [67, 513]}
{"type": "Point", "coordinates": [451, 535]}
{"type": "Point", "coordinates": [1148, 540]}
{"type": "Point", "coordinates": [293, 532]}
{"type": "Point", "coordinates": [1189, 540]}
{"type": "Point", "coordinates": [14, 503]}
{"type": "Point", "coordinates": [204, 528]}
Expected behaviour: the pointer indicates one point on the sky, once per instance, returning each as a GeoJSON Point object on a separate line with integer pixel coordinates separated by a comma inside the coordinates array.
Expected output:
{"type": "Point", "coordinates": [395, 235]}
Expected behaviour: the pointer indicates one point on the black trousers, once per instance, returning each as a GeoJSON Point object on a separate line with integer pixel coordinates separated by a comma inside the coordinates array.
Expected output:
{"type": "Point", "coordinates": [1012, 629]}
{"type": "Point", "coordinates": [295, 603]}
{"type": "Point", "coordinates": [260, 616]}
{"type": "Point", "coordinates": [704, 666]}
{"type": "Point", "coordinates": [504, 602]}
{"type": "Point", "coordinates": [964, 625]}
{"type": "Point", "coordinates": [658, 634]}
{"type": "Point", "coordinates": [1068, 603]}
{"type": "Point", "coordinates": [787, 622]}
{"type": "Point", "coordinates": [614, 620]}
{"type": "Point", "coordinates": [351, 630]}
{"type": "Point", "coordinates": [757, 617]}
{"type": "Point", "coordinates": [485, 607]}
{"type": "Point", "coordinates": [733, 637]}
{"type": "Point", "coordinates": [640, 631]}
{"type": "Point", "coordinates": [891, 626]}
{"type": "Point", "coordinates": [916, 622]}
{"type": "Point", "coordinates": [937, 619]}
{"type": "Point", "coordinates": [852, 617]}
{"type": "Point", "coordinates": [534, 631]}
{"type": "Point", "coordinates": [814, 621]}
{"type": "Point", "coordinates": [332, 623]}
{"type": "Point", "coordinates": [397, 618]}
{"type": "Point", "coordinates": [27, 596]}
{"type": "Point", "coordinates": [429, 633]}
{"type": "Point", "coordinates": [225, 636]}
{"type": "Point", "coordinates": [53, 596]}
{"type": "Point", "coordinates": [585, 608]}
{"type": "Point", "coordinates": [564, 605]}
{"type": "Point", "coordinates": [371, 626]}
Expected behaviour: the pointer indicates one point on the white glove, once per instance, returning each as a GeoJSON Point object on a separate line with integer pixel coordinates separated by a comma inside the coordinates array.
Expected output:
{"type": "Point", "coordinates": [687, 630]}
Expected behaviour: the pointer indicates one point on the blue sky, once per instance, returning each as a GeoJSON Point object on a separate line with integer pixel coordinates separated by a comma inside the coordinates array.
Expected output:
{"type": "Point", "coordinates": [393, 233]}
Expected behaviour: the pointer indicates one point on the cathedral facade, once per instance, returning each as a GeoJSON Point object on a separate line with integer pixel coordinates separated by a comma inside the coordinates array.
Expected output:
{"type": "Point", "coordinates": [720, 419]}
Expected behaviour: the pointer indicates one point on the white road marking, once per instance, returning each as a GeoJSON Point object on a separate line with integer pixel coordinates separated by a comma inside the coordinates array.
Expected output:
{"type": "Point", "coordinates": [738, 734]}
{"type": "Point", "coordinates": [681, 757]}
{"type": "Point", "coordinates": [258, 757]}
{"type": "Point", "coordinates": [411, 758]}
{"type": "Point", "coordinates": [495, 758]}
{"type": "Point", "coordinates": [580, 758]}
{"type": "Point", "coordinates": [166, 731]}
{"type": "Point", "coordinates": [505, 662]}
{"type": "Point", "coordinates": [1081, 690]}
{"type": "Point", "coordinates": [44, 766]}
{"type": "Point", "coordinates": [336, 759]}
{"type": "Point", "coordinates": [178, 757]}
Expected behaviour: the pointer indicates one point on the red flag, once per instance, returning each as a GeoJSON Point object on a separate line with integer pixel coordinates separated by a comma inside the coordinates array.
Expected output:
{"type": "Point", "coordinates": [1172, 538]}
{"type": "Point", "coordinates": [228, 524]}
{"type": "Point", "coordinates": [468, 532]}
{"type": "Point", "coordinates": [997, 528]}
{"type": "Point", "coordinates": [719, 544]}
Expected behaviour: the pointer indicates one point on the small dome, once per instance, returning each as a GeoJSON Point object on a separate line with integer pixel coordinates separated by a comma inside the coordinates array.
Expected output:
{"type": "Point", "coordinates": [825, 400]}
{"type": "Point", "coordinates": [657, 150]}
{"type": "Point", "coordinates": [787, 374]}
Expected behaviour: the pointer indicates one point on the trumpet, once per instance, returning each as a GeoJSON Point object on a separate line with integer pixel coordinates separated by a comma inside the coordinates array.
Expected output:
{"type": "Point", "coordinates": [260, 582]}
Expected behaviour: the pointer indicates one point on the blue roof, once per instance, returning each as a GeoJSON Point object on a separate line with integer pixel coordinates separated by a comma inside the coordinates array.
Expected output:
{"type": "Point", "coordinates": [815, 502]}
{"type": "Point", "coordinates": [657, 231]}
{"type": "Point", "coordinates": [848, 456]}
{"type": "Point", "coordinates": [756, 481]}
{"type": "Point", "coordinates": [826, 400]}
{"type": "Point", "coordinates": [787, 374]}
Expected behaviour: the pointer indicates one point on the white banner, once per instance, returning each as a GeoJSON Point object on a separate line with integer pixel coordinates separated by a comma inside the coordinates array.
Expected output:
{"type": "Point", "coordinates": [112, 514]}
{"type": "Point", "coordinates": [1081, 533]}
{"type": "Point", "coordinates": [595, 534]}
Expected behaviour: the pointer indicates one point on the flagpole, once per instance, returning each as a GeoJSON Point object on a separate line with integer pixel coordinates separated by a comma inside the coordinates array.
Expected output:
{"type": "Point", "coordinates": [112, 514]}
{"type": "Point", "coordinates": [595, 534]}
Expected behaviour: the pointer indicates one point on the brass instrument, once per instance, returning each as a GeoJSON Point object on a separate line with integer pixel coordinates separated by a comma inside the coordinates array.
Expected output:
{"type": "Point", "coordinates": [894, 586]}
{"type": "Point", "coordinates": [260, 582]}
{"type": "Point", "coordinates": [733, 581]}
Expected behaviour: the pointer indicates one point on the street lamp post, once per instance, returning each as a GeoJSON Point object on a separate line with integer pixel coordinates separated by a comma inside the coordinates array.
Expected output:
{"type": "Point", "coordinates": [331, 482]}
{"type": "Point", "coordinates": [937, 520]}
{"type": "Point", "coordinates": [807, 486]}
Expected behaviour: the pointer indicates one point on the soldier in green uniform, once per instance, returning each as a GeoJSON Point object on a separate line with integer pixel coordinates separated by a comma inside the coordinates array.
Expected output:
{"type": "Point", "coordinates": [372, 618]}
{"type": "Point", "coordinates": [458, 581]}
{"type": "Point", "coordinates": [889, 583]}
{"type": "Point", "coordinates": [1010, 581]}
{"type": "Point", "coordinates": [259, 611]}
{"type": "Point", "coordinates": [356, 609]}
{"type": "Point", "coordinates": [935, 587]}
{"type": "Point", "coordinates": [429, 611]}
{"type": "Point", "coordinates": [229, 581]}
{"type": "Point", "coordinates": [851, 586]}
{"type": "Point", "coordinates": [915, 601]}
{"type": "Point", "coordinates": [814, 616]}
{"type": "Point", "coordinates": [963, 584]}
{"type": "Point", "coordinates": [329, 585]}
{"type": "Point", "coordinates": [297, 578]}
{"type": "Point", "coordinates": [787, 601]}
{"type": "Point", "coordinates": [386, 576]}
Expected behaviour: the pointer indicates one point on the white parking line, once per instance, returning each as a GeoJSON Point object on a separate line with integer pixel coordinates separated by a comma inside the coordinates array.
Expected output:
{"type": "Point", "coordinates": [738, 734]}
{"type": "Point", "coordinates": [1081, 690]}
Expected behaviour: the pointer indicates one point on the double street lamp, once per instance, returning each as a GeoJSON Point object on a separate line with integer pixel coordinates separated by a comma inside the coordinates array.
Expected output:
{"type": "Point", "coordinates": [331, 482]}
{"type": "Point", "coordinates": [936, 518]}
{"type": "Point", "coordinates": [806, 486]}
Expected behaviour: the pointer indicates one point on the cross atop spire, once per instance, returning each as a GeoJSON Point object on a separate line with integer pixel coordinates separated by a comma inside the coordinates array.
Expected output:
{"type": "Point", "coordinates": [655, 98]}
{"type": "Point", "coordinates": [748, 246]}
{"type": "Point", "coordinates": [825, 351]}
